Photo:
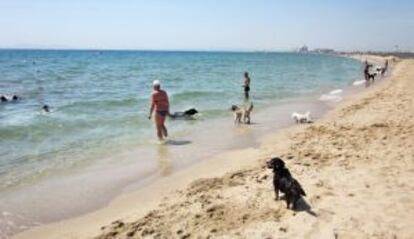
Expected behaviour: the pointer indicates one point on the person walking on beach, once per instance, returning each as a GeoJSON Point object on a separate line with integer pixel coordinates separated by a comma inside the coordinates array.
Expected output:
{"type": "Point", "coordinates": [385, 68]}
{"type": "Point", "coordinates": [159, 103]}
{"type": "Point", "coordinates": [246, 85]}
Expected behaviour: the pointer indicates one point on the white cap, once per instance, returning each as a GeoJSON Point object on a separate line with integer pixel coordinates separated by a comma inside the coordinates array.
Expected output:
{"type": "Point", "coordinates": [156, 83]}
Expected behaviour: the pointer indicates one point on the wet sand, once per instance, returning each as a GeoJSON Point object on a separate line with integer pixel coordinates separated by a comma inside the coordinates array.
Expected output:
{"type": "Point", "coordinates": [356, 165]}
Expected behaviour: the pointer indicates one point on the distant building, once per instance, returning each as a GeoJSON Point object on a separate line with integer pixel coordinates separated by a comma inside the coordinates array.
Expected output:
{"type": "Point", "coordinates": [324, 51]}
{"type": "Point", "coordinates": [303, 49]}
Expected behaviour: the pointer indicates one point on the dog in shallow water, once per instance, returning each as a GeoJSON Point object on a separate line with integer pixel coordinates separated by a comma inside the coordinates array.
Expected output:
{"type": "Point", "coordinates": [242, 113]}
{"type": "Point", "coordinates": [284, 182]}
{"type": "Point", "coordinates": [186, 115]}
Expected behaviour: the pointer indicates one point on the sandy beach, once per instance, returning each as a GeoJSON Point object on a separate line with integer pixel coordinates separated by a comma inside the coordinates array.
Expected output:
{"type": "Point", "coordinates": [356, 166]}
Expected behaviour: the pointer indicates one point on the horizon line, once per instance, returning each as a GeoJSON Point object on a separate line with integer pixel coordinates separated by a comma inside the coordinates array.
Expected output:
{"type": "Point", "coordinates": [141, 49]}
{"type": "Point", "coordinates": [195, 50]}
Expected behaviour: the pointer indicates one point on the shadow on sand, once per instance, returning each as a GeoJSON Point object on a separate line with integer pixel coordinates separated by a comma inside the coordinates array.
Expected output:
{"type": "Point", "coordinates": [302, 205]}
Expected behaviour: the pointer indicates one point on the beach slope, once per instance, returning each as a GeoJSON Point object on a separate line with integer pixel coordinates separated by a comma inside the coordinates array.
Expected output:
{"type": "Point", "coordinates": [356, 167]}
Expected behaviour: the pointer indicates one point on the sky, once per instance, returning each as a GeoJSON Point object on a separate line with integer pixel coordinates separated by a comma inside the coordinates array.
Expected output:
{"type": "Point", "coordinates": [208, 24]}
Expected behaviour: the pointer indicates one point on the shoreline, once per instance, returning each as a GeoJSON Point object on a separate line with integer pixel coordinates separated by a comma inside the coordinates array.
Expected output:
{"type": "Point", "coordinates": [168, 164]}
{"type": "Point", "coordinates": [88, 225]}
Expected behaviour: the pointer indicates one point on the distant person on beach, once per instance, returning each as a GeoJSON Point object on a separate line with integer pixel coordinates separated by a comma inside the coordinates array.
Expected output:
{"type": "Point", "coordinates": [385, 68]}
{"type": "Point", "coordinates": [246, 85]}
{"type": "Point", "coordinates": [161, 105]}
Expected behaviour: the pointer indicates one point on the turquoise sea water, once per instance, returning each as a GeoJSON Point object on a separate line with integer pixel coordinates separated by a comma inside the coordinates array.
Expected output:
{"type": "Point", "coordinates": [97, 141]}
{"type": "Point", "coordinates": [99, 99]}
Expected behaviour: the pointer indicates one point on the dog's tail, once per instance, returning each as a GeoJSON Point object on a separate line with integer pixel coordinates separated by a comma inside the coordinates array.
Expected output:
{"type": "Point", "coordinates": [299, 187]}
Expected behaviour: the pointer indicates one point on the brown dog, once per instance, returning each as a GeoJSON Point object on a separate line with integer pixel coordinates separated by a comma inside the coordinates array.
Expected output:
{"type": "Point", "coordinates": [242, 113]}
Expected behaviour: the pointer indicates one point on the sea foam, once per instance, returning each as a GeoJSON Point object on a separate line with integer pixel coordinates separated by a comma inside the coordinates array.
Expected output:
{"type": "Point", "coordinates": [332, 96]}
{"type": "Point", "coordinates": [358, 82]}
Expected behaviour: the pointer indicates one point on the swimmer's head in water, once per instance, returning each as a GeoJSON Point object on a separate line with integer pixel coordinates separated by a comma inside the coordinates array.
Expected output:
{"type": "Point", "coordinates": [46, 108]}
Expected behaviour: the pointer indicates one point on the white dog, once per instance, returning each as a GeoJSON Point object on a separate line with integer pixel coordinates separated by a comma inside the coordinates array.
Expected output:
{"type": "Point", "coordinates": [302, 118]}
{"type": "Point", "coordinates": [380, 71]}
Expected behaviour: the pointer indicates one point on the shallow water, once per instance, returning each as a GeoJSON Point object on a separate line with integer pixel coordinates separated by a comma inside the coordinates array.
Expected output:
{"type": "Point", "coordinates": [97, 139]}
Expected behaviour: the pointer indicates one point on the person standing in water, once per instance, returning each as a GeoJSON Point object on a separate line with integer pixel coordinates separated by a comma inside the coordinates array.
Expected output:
{"type": "Point", "coordinates": [246, 85]}
{"type": "Point", "coordinates": [161, 105]}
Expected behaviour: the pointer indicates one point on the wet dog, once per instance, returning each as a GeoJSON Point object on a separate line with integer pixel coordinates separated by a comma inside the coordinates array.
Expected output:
{"type": "Point", "coordinates": [284, 182]}
{"type": "Point", "coordinates": [188, 114]}
{"type": "Point", "coordinates": [242, 113]}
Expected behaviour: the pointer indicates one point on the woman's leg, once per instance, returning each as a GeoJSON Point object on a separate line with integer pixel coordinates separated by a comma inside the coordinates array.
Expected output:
{"type": "Point", "coordinates": [164, 130]}
{"type": "Point", "coordinates": [159, 123]}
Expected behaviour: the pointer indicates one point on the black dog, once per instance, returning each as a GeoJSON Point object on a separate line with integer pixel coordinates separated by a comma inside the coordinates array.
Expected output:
{"type": "Point", "coordinates": [371, 76]}
{"type": "Point", "coordinates": [283, 181]}
{"type": "Point", "coordinates": [188, 114]}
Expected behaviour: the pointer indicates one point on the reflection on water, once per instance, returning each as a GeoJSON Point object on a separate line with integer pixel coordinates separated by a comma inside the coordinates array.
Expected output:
{"type": "Point", "coordinates": [164, 161]}
{"type": "Point", "coordinates": [164, 155]}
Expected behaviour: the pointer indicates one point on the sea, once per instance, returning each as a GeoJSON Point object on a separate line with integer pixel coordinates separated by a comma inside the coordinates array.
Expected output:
{"type": "Point", "coordinates": [97, 141]}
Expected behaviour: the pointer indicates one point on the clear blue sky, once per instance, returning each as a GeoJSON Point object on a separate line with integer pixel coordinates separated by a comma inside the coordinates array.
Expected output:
{"type": "Point", "coordinates": [207, 24]}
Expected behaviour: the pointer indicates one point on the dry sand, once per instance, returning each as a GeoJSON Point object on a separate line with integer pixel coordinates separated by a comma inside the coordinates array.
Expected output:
{"type": "Point", "coordinates": [356, 166]}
